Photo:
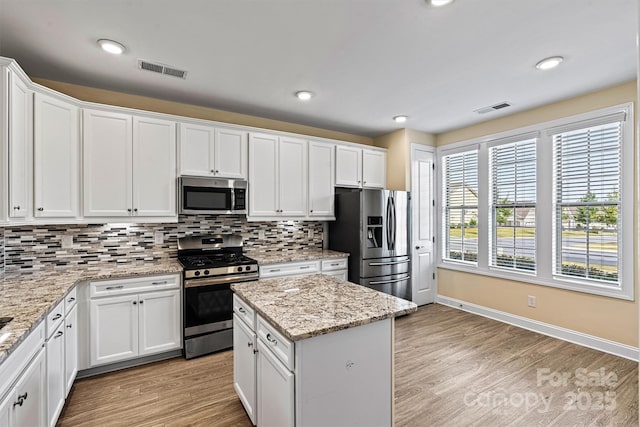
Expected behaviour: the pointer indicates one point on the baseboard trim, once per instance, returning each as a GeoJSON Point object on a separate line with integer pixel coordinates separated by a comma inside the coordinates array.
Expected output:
{"type": "Point", "coordinates": [585, 340]}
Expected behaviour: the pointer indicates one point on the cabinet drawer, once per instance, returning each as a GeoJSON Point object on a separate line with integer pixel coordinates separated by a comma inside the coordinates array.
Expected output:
{"type": "Point", "coordinates": [55, 318]}
{"type": "Point", "coordinates": [290, 269]}
{"type": "Point", "coordinates": [70, 300]}
{"type": "Point", "coordinates": [279, 345]}
{"type": "Point", "coordinates": [340, 275]}
{"type": "Point", "coordinates": [134, 285]}
{"type": "Point", "coordinates": [244, 312]}
{"type": "Point", "coordinates": [334, 264]}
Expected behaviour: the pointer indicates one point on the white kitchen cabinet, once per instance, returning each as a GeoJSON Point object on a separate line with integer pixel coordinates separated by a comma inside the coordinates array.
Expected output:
{"type": "Point", "coordinates": [215, 152]}
{"type": "Point", "coordinates": [244, 364]}
{"type": "Point", "coordinates": [131, 318]}
{"type": "Point", "coordinates": [277, 176]}
{"type": "Point", "coordinates": [25, 404]}
{"type": "Point", "coordinates": [70, 348]}
{"type": "Point", "coordinates": [321, 180]}
{"type": "Point", "coordinates": [114, 329]}
{"type": "Point", "coordinates": [55, 374]}
{"type": "Point", "coordinates": [276, 386]}
{"type": "Point", "coordinates": [360, 167]}
{"type": "Point", "coordinates": [20, 147]}
{"type": "Point", "coordinates": [335, 267]}
{"type": "Point", "coordinates": [159, 321]}
{"type": "Point", "coordinates": [56, 157]}
{"type": "Point", "coordinates": [129, 165]}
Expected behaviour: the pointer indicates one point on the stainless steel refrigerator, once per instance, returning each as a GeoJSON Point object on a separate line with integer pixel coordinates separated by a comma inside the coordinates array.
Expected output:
{"type": "Point", "coordinates": [373, 226]}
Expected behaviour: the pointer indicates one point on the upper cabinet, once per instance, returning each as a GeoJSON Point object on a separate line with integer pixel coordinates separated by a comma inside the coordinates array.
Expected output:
{"type": "Point", "coordinates": [20, 141]}
{"type": "Point", "coordinates": [214, 152]}
{"type": "Point", "coordinates": [129, 165]}
{"type": "Point", "coordinates": [360, 167]}
{"type": "Point", "coordinates": [277, 176]}
{"type": "Point", "coordinates": [321, 180]}
{"type": "Point", "coordinates": [56, 158]}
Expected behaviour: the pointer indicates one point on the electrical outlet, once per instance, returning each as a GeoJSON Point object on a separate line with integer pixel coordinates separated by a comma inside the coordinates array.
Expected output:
{"type": "Point", "coordinates": [66, 241]}
{"type": "Point", "coordinates": [158, 237]}
{"type": "Point", "coordinates": [310, 234]}
{"type": "Point", "coordinates": [531, 301]}
{"type": "Point", "coordinates": [261, 234]}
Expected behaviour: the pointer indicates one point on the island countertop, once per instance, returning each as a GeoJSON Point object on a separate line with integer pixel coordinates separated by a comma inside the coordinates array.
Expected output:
{"type": "Point", "coordinates": [306, 306]}
{"type": "Point", "coordinates": [280, 256]}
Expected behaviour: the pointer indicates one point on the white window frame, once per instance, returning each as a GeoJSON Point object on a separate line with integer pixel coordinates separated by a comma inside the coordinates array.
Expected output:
{"type": "Point", "coordinates": [545, 226]}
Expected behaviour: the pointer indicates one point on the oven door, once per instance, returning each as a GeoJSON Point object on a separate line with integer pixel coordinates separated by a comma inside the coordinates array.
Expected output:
{"type": "Point", "coordinates": [207, 308]}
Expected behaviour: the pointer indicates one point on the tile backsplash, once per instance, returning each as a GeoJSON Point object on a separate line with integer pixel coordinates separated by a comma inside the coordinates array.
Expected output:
{"type": "Point", "coordinates": [40, 247]}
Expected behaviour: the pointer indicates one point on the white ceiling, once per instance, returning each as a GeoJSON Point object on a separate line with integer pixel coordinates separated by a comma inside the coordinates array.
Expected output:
{"type": "Point", "coordinates": [366, 60]}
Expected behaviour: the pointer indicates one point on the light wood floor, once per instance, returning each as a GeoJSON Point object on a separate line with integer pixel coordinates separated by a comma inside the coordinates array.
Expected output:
{"type": "Point", "coordinates": [452, 369]}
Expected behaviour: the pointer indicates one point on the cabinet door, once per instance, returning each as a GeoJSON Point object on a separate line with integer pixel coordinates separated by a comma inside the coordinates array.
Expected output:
{"type": "Point", "coordinates": [263, 173]}
{"type": "Point", "coordinates": [55, 375]}
{"type": "Point", "coordinates": [70, 349]}
{"type": "Point", "coordinates": [56, 158]}
{"type": "Point", "coordinates": [30, 390]}
{"type": "Point", "coordinates": [159, 320]}
{"type": "Point", "coordinates": [321, 179]}
{"type": "Point", "coordinates": [114, 329]}
{"type": "Point", "coordinates": [348, 166]}
{"type": "Point", "coordinates": [374, 169]}
{"type": "Point", "coordinates": [196, 150]}
{"type": "Point", "coordinates": [230, 154]}
{"type": "Point", "coordinates": [20, 138]}
{"type": "Point", "coordinates": [244, 366]}
{"type": "Point", "coordinates": [107, 163]}
{"type": "Point", "coordinates": [292, 177]}
{"type": "Point", "coordinates": [275, 390]}
{"type": "Point", "coordinates": [154, 167]}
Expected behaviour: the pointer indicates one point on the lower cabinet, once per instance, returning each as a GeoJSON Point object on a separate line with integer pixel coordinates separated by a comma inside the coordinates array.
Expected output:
{"type": "Point", "coordinates": [244, 366]}
{"type": "Point", "coordinates": [25, 404]}
{"type": "Point", "coordinates": [70, 349]}
{"type": "Point", "coordinates": [276, 403]}
{"type": "Point", "coordinates": [129, 318]}
{"type": "Point", "coordinates": [334, 267]}
{"type": "Point", "coordinates": [56, 382]}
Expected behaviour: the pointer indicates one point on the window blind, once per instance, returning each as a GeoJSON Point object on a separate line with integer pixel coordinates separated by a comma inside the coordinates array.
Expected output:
{"type": "Point", "coordinates": [513, 205]}
{"type": "Point", "coordinates": [587, 201]}
{"type": "Point", "coordinates": [460, 182]}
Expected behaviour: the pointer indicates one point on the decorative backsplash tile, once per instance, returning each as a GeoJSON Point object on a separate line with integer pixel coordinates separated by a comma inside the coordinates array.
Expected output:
{"type": "Point", "coordinates": [39, 247]}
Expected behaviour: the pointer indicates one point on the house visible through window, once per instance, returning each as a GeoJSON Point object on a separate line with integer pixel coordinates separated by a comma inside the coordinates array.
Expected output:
{"type": "Point", "coordinates": [587, 202]}
{"type": "Point", "coordinates": [513, 205]}
{"type": "Point", "coordinates": [461, 206]}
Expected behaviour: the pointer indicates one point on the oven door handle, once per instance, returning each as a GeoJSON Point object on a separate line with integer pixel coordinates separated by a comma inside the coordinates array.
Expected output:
{"type": "Point", "coordinates": [194, 283]}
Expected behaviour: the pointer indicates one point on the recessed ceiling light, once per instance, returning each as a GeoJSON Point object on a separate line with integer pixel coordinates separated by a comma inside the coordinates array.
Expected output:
{"type": "Point", "coordinates": [400, 119]}
{"type": "Point", "coordinates": [549, 63]}
{"type": "Point", "coordinates": [304, 95]}
{"type": "Point", "coordinates": [111, 46]}
{"type": "Point", "coordinates": [438, 3]}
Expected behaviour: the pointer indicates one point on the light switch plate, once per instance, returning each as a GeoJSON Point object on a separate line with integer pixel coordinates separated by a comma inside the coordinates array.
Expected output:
{"type": "Point", "coordinates": [158, 237]}
{"type": "Point", "coordinates": [310, 234]}
{"type": "Point", "coordinates": [66, 241]}
{"type": "Point", "coordinates": [261, 234]}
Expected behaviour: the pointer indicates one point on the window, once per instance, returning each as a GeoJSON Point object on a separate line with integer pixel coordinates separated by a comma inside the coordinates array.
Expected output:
{"type": "Point", "coordinates": [513, 205]}
{"type": "Point", "coordinates": [550, 204]}
{"type": "Point", "coordinates": [461, 206]}
{"type": "Point", "coordinates": [587, 202]}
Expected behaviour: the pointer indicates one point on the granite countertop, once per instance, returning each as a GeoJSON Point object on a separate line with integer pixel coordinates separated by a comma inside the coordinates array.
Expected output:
{"type": "Point", "coordinates": [306, 306]}
{"type": "Point", "coordinates": [29, 297]}
{"type": "Point", "coordinates": [276, 257]}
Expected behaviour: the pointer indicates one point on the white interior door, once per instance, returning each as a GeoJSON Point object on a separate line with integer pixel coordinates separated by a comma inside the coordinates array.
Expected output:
{"type": "Point", "coordinates": [423, 194]}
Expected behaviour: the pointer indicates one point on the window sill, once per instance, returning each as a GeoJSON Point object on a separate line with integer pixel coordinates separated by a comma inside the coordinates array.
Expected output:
{"type": "Point", "coordinates": [555, 282]}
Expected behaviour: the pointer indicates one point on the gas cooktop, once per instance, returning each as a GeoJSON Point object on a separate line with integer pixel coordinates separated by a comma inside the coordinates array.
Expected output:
{"type": "Point", "coordinates": [214, 260]}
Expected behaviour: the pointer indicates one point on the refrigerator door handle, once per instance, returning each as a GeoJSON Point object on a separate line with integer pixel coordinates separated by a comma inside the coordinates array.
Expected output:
{"type": "Point", "coordinates": [393, 222]}
{"type": "Point", "coordinates": [377, 264]}
{"type": "Point", "coordinates": [388, 223]}
{"type": "Point", "coordinates": [384, 282]}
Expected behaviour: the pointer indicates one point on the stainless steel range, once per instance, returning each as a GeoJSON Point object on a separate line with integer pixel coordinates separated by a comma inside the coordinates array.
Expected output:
{"type": "Point", "coordinates": [211, 264]}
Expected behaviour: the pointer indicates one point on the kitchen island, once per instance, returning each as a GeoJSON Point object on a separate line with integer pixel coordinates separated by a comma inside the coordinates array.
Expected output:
{"type": "Point", "coordinates": [313, 351]}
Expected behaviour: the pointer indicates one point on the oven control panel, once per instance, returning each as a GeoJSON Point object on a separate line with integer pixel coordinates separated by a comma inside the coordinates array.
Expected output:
{"type": "Point", "coordinates": [220, 271]}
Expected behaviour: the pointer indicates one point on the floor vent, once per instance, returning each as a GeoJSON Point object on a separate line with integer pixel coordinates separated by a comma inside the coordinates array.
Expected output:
{"type": "Point", "coordinates": [493, 108]}
{"type": "Point", "coordinates": [161, 69]}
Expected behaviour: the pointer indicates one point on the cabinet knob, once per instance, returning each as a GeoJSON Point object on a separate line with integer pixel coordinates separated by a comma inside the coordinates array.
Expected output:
{"type": "Point", "coordinates": [135, 210]}
{"type": "Point", "coordinates": [217, 171]}
{"type": "Point", "coordinates": [249, 344]}
{"type": "Point", "coordinates": [364, 182]}
{"type": "Point", "coordinates": [129, 210]}
{"type": "Point", "coordinates": [135, 302]}
{"type": "Point", "coordinates": [69, 326]}
{"type": "Point", "coordinates": [213, 171]}
{"type": "Point", "coordinates": [40, 209]}
{"type": "Point", "coordinates": [311, 210]}
{"type": "Point", "coordinates": [419, 247]}
{"type": "Point", "coordinates": [141, 301]}
{"type": "Point", "coordinates": [16, 208]}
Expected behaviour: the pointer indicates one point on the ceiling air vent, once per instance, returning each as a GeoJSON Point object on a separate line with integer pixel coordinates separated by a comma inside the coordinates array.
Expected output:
{"type": "Point", "coordinates": [493, 108]}
{"type": "Point", "coordinates": [161, 69]}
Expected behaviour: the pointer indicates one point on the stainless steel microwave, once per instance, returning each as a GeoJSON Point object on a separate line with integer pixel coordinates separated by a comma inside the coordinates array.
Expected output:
{"type": "Point", "coordinates": [212, 195]}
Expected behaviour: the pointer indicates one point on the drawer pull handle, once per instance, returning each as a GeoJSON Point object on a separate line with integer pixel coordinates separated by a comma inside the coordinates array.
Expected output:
{"type": "Point", "coordinates": [335, 264]}
{"type": "Point", "coordinates": [275, 270]}
{"type": "Point", "coordinates": [271, 340]}
{"type": "Point", "coordinates": [70, 326]}
{"type": "Point", "coordinates": [72, 299]}
{"type": "Point", "coordinates": [241, 310]}
{"type": "Point", "coordinates": [249, 344]}
{"type": "Point", "coordinates": [305, 267]}
{"type": "Point", "coordinates": [56, 317]}
{"type": "Point", "coordinates": [59, 334]}
{"type": "Point", "coordinates": [164, 282]}
{"type": "Point", "coordinates": [110, 288]}
{"type": "Point", "coordinates": [20, 400]}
